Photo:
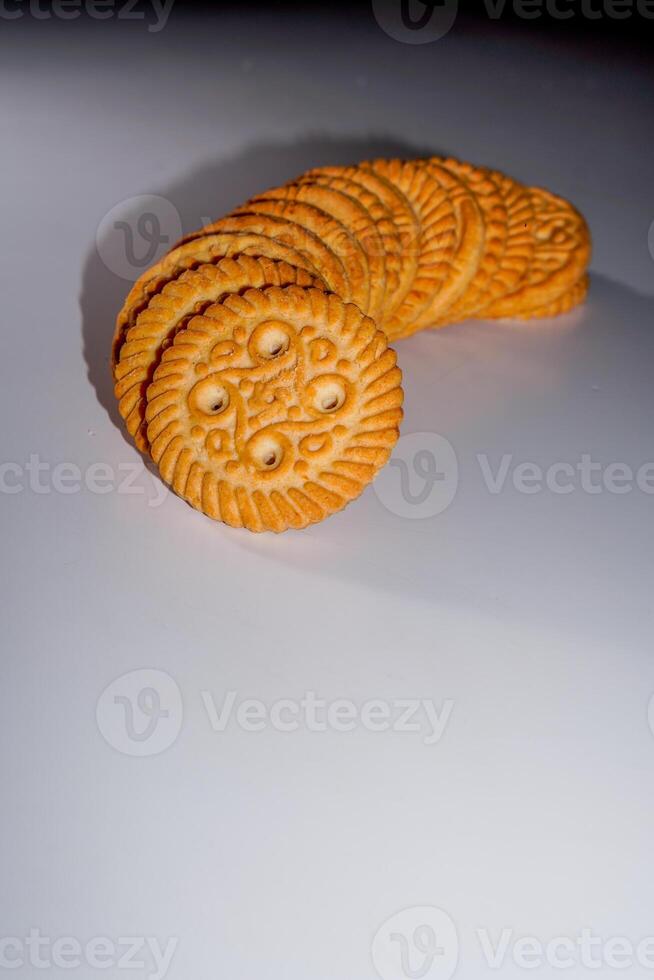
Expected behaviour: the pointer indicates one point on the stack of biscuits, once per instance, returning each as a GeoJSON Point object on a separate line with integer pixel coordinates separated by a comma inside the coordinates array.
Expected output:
{"type": "Point", "coordinates": [252, 361]}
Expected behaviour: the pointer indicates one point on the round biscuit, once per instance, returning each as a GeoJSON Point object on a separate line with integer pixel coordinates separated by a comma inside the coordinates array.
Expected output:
{"type": "Point", "coordinates": [277, 411]}
{"type": "Point", "coordinates": [189, 255]}
{"type": "Point", "coordinates": [195, 291]}
{"type": "Point", "coordinates": [561, 252]}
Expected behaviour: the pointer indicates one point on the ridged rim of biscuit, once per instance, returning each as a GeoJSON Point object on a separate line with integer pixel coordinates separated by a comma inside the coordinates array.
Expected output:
{"type": "Point", "coordinates": [188, 255]}
{"type": "Point", "coordinates": [379, 214]}
{"type": "Point", "coordinates": [405, 221]}
{"type": "Point", "coordinates": [245, 494]}
{"type": "Point", "coordinates": [561, 252]}
{"type": "Point", "coordinates": [468, 251]}
{"type": "Point", "coordinates": [513, 262]}
{"type": "Point", "coordinates": [359, 228]}
{"type": "Point", "coordinates": [488, 195]}
{"type": "Point", "coordinates": [439, 225]}
{"type": "Point", "coordinates": [285, 230]}
{"type": "Point", "coordinates": [518, 252]}
{"type": "Point", "coordinates": [567, 301]}
{"type": "Point", "coordinates": [345, 271]}
{"type": "Point", "coordinates": [196, 291]}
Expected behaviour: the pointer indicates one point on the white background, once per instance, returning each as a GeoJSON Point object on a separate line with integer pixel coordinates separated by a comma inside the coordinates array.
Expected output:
{"type": "Point", "coordinates": [277, 854]}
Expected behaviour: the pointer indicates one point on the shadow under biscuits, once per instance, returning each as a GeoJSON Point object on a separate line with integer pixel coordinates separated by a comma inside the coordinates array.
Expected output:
{"type": "Point", "coordinates": [207, 193]}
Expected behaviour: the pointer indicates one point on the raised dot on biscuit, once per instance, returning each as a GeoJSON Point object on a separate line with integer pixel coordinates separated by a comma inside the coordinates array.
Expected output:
{"type": "Point", "coordinates": [209, 397]}
{"type": "Point", "coordinates": [270, 340]}
{"type": "Point", "coordinates": [327, 393]}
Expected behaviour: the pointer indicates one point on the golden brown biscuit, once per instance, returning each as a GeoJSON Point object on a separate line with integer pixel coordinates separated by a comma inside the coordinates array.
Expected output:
{"type": "Point", "coordinates": [565, 302]}
{"type": "Point", "coordinates": [287, 229]}
{"type": "Point", "coordinates": [406, 224]}
{"type": "Point", "coordinates": [490, 200]}
{"type": "Point", "coordinates": [471, 241]}
{"type": "Point", "coordinates": [209, 248]}
{"type": "Point", "coordinates": [444, 219]}
{"type": "Point", "coordinates": [360, 235]}
{"type": "Point", "coordinates": [469, 247]}
{"type": "Point", "coordinates": [269, 403]}
{"type": "Point", "coordinates": [383, 238]}
{"type": "Point", "coordinates": [276, 411]}
{"type": "Point", "coordinates": [509, 263]}
{"type": "Point", "coordinates": [310, 221]}
{"type": "Point", "coordinates": [195, 291]}
{"type": "Point", "coordinates": [561, 252]}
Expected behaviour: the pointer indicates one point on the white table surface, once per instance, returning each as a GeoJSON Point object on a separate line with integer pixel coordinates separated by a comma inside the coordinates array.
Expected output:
{"type": "Point", "coordinates": [525, 617]}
